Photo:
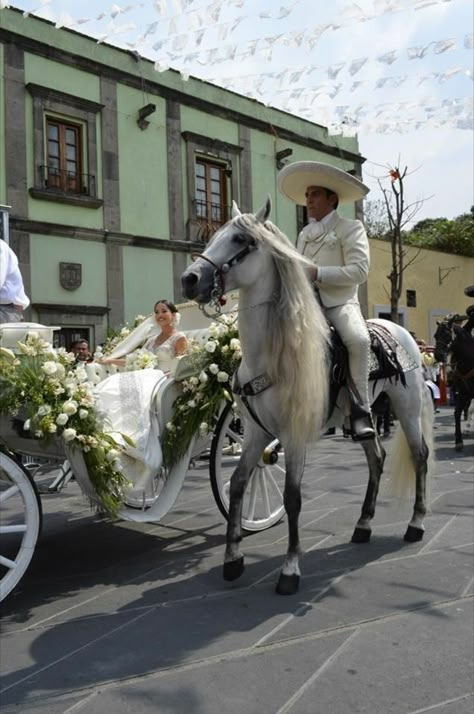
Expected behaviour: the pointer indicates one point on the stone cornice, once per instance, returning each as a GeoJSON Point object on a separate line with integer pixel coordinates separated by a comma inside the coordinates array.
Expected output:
{"type": "Point", "coordinates": [88, 65]}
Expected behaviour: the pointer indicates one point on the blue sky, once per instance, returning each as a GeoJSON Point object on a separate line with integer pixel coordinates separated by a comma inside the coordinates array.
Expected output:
{"type": "Point", "coordinates": [352, 64]}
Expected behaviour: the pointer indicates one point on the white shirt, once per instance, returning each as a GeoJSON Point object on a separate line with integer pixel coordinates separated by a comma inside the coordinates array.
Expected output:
{"type": "Point", "coordinates": [11, 282]}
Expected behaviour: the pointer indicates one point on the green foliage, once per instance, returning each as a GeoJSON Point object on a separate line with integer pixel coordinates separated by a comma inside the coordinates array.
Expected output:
{"type": "Point", "coordinates": [449, 236]}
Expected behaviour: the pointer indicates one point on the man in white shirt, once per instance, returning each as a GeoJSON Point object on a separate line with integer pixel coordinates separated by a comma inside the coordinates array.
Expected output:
{"type": "Point", "coordinates": [339, 249]}
{"type": "Point", "coordinates": [13, 299]}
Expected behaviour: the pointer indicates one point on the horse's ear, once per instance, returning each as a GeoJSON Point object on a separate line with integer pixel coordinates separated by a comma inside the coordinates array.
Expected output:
{"type": "Point", "coordinates": [235, 210]}
{"type": "Point", "coordinates": [438, 323]}
{"type": "Point", "coordinates": [264, 212]}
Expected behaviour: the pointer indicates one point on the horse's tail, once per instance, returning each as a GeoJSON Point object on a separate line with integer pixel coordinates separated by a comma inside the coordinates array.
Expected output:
{"type": "Point", "coordinates": [400, 464]}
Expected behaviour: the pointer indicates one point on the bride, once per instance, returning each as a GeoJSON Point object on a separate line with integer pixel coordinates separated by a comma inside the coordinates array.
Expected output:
{"type": "Point", "coordinates": [127, 399]}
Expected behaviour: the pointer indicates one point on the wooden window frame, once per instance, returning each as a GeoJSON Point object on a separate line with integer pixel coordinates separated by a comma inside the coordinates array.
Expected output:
{"type": "Point", "coordinates": [63, 180]}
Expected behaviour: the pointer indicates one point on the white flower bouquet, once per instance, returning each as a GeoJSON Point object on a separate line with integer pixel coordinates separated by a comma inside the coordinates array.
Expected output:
{"type": "Point", "coordinates": [196, 410]}
{"type": "Point", "coordinates": [140, 359]}
{"type": "Point", "coordinates": [56, 399]}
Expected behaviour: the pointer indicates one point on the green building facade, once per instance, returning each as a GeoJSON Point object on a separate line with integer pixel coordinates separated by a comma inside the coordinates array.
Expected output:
{"type": "Point", "coordinates": [114, 173]}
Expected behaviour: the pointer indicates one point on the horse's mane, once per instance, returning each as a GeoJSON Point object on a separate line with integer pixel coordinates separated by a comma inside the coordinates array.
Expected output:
{"type": "Point", "coordinates": [298, 336]}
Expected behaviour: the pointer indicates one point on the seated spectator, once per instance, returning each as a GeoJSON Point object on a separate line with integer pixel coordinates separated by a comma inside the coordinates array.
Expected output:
{"type": "Point", "coordinates": [80, 348]}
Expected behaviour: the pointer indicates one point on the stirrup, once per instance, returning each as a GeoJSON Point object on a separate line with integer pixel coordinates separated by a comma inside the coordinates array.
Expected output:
{"type": "Point", "coordinates": [362, 425]}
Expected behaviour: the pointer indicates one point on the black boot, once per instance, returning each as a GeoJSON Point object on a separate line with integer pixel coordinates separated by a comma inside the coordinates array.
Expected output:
{"type": "Point", "coordinates": [361, 423]}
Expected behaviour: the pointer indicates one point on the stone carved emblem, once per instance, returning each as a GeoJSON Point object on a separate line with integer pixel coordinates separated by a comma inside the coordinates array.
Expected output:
{"type": "Point", "coordinates": [70, 275]}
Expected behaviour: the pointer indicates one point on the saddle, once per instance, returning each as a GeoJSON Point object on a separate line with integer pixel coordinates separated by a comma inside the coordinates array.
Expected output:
{"type": "Point", "coordinates": [388, 360]}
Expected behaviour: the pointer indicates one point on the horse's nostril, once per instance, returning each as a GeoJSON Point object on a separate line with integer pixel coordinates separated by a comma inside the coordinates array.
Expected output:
{"type": "Point", "coordinates": [189, 279]}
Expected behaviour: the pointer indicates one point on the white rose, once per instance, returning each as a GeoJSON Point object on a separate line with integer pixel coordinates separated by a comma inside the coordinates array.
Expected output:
{"type": "Point", "coordinates": [214, 330]}
{"type": "Point", "coordinates": [211, 346]}
{"type": "Point", "coordinates": [222, 377]}
{"type": "Point", "coordinates": [70, 407]}
{"type": "Point", "coordinates": [81, 374]}
{"type": "Point", "coordinates": [69, 434]}
{"type": "Point", "coordinates": [32, 335]}
{"type": "Point", "coordinates": [235, 344]}
{"type": "Point", "coordinates": [203, 378]}
{"type": "Point", "coordinates": [112, 455]}
{"type": "Point", "coordinates": [83, 413]}
{"type": "Point", "coordinates": [61, 419]}
{"type": "Point", "coordinates": [203, 428]}
{"type": "Point", "coordinates": [50, 368]}
{"type": "Point", "coordinates": [170, 426]}
{"type": "Point", "coordinates": [213, 368]}
{"type": "Point", "coordinates": [191, 403]}
{"type": "Point", "coordinates": [43, 410]}
{"type": "Point", "coordinates": [194, 380]}
{"type": "Point", "coordinates": [52, 428]}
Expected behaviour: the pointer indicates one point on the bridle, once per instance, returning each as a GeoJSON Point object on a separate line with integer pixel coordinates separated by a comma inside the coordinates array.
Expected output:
{"type": "Point", "coordinates": [217, 296]}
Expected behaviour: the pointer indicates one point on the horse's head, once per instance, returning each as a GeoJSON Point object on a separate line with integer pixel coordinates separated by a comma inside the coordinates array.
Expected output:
{"type": "Point", "coordinates": [220, 267]}
{"type": "Point", "coordinates": [443, 338]}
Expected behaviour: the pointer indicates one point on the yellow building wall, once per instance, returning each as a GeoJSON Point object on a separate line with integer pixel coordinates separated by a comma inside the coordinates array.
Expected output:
{"type": "Point", "coordinates": [438, 278]}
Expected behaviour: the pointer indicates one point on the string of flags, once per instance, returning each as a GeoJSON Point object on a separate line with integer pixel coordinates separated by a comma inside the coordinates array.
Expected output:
{"type": "Point", "coordinates": [179, 32]}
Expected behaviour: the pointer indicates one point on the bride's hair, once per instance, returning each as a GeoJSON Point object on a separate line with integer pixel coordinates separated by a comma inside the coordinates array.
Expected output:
{"type": "Point", "coordinates": [172, 308]}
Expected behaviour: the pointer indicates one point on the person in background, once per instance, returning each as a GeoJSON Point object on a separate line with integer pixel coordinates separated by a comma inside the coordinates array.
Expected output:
{"type": "Point", "coordinates": [80, 348]}
{"type": "Point", "coordinates": [13, 299]}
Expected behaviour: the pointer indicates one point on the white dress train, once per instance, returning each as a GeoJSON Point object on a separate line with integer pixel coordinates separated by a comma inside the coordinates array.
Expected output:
{"type": "Point", "coordinates": [127, 402]}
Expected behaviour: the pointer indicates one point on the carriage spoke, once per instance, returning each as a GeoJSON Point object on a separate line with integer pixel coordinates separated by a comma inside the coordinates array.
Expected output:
{"type": "Point", "coordinates": [8, 493]}
{"type": "Point", "coordinates": [20, 528]}
{"type": "Point", "coordinates": [234, 435]}
{"type": "Point", "coordinates": [264, 491]}
{"type": "Point", "coordinates": [253, 495]}
{"type": "Point", "coordinates": [6, 563]}
{"type": "Point", "coordinates": [273, 482]}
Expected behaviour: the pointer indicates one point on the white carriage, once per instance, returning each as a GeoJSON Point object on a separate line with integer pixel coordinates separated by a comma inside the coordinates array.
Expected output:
{"type": "Point", "coordinates": [23, 457]}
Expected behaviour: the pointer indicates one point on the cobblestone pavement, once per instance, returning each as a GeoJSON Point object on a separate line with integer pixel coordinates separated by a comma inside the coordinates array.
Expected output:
{"type": "Point", "coordinates": [123, 617]}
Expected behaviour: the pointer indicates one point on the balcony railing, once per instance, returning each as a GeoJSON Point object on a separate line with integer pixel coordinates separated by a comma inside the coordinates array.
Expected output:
{"type": "Point", "coordinates": [209, 217]}
{"type": "Point", "coordinates": [54, 179]}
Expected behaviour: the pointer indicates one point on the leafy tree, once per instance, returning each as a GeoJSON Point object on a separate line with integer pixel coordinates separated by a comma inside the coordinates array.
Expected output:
{"type": "Point", "coordinates": [450, 236]}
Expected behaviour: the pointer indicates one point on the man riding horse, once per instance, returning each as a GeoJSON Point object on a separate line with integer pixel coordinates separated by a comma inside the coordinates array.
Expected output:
{"type": "Point", "coordinates": [339, 249]}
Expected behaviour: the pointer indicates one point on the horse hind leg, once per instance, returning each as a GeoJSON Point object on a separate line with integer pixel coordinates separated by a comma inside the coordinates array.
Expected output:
{"type": "Point", "coordinates": [375, 455]}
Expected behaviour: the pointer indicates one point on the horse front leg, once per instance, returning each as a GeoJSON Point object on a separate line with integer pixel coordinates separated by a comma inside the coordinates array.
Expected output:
{"type": "Point", "coordinates": [289, 579]}
{"type": "Point", "coordinates": [255, 441]}
{"type": "Point", "coordinates": [375, 455]}
{"type": "Point", "coordinates": [458, 409]}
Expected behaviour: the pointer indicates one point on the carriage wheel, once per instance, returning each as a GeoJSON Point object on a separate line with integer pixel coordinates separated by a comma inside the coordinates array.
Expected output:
{"type": "Point", "coordinates": [20, 522]}
{"type": "Point", "coordinates": [263, 500]}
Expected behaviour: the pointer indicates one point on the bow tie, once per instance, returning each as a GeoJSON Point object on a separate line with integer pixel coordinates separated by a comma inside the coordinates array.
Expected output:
{"type": "Point", "coordinates": [313, 231]}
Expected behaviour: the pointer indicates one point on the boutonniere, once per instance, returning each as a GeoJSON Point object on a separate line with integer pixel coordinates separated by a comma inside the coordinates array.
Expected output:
{"type": "Point", "coordinates": [331, 238]}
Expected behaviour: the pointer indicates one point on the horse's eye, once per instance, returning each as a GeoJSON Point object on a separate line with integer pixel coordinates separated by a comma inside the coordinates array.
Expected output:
{"type": "Point", "coordinates": [240, 239]}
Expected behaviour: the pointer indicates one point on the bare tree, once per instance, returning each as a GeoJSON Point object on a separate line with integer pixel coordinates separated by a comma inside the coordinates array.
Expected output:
{"type": "Point", "coordinates": [399, 214]}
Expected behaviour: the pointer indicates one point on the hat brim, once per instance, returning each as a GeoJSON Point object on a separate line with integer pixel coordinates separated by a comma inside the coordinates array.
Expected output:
{"type": "Point", "coordinates": [294, 179]}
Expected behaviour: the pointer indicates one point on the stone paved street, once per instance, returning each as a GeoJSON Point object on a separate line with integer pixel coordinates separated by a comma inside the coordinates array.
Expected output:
{"type": "Point", "coordinates": [136, 618]}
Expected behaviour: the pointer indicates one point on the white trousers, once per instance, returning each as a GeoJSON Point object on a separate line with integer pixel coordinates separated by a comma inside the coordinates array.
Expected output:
{"type": "Point", "coordinates": [350, 324]}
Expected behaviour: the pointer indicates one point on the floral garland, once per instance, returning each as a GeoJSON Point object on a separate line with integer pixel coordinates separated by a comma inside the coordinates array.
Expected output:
{"type": "Point", "coordinates": [197, 408]}
{"type": "Point", "coordinates": [57, 399]}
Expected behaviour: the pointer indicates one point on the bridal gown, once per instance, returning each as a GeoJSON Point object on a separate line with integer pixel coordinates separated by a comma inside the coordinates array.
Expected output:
{"type": "Point", "coordinates": [126, 401]}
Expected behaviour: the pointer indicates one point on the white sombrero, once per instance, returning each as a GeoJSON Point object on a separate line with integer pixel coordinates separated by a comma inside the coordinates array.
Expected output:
{"type": "Point", "coordinates": [295, 178]}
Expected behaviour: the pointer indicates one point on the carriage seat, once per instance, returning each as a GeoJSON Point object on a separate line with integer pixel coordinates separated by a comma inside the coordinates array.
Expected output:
{"type": "Point", "coordinates": [180, 366]}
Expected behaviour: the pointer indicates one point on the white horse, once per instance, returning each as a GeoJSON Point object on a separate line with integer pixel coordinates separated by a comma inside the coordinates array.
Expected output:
{"type": "Point", "coordinates": [283, 378]}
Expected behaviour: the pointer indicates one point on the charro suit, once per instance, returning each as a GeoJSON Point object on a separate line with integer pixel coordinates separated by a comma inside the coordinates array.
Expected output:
{"type": "Point", "coordinates": [340, 249]}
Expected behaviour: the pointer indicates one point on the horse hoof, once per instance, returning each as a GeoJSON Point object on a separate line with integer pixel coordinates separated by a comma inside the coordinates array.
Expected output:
{"type": "Point", "coordinates": [413, 534]}
{"type": "Point", "coordinates": [361, 535]}
{"type": "Point", "coordinates": [459, 447]}
{"type": "Point", "coordinates": [287, 584]}
{"type": "Point", "coordinates": [233, 569]}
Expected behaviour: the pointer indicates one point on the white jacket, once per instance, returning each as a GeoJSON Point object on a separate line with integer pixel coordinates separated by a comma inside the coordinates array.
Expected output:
{"type": "Point", "coordinates": [342, 256]}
